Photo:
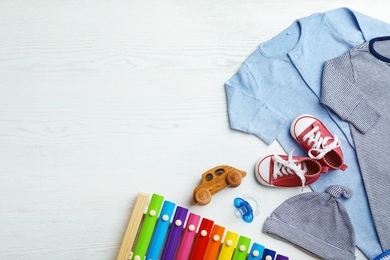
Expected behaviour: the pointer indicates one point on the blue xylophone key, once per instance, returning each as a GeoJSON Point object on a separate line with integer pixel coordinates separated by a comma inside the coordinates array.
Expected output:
{"type": "Point", "coordinates": [268, 254]}
{"type": "Point", "coordinates": [256, 252]}
{"type": "Point", "coordinates": [160, 231]}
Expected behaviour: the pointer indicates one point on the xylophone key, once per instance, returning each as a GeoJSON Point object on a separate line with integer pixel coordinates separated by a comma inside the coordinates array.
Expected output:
{"type": "Point", "coordinates": [201, 239]}
{"type": "Point", "coordinates": [132, 227]}
{"type": "Point", "coordinates": [174, 234]}
{"type": "Point", "coordinates": [214, 243]}
{"type": "Point", "coordinates": [151, 235]}
{"type": "Point", "coordinates": [188, 237]}
{"type": "Point", "coordinates": [241, 248]}
{"type": "Point", "coordinates": [160, 231]}
{"type": "Point", "coordinates": [281, 257]}
{"type": "Point", "coordinates": [228, 246]}
{"type": "Point", "coordinates": [256, 252]}
{"type": "Point", "coordinates": [268, 254]}
{"type": "Point", "coordinates": [147, 227]}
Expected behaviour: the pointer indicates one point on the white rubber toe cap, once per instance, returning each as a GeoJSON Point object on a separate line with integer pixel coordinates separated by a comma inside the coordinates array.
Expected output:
{"type": "Point", "coordinates": [300, 124]}
{"type": "Point", "coordinates": [262, 170]}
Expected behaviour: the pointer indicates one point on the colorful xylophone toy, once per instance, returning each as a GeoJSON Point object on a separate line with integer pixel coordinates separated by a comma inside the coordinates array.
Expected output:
{"type": "Point", "coordinates": [160, 234]}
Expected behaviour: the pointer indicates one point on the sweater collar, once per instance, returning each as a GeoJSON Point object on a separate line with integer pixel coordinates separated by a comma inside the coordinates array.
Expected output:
{"type": "Point", "coordinates": [374, 52]}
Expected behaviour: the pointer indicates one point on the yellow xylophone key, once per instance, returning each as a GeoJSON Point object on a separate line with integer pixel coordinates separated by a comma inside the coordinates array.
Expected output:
{"type": "Point", "coordinates": [228, 246]}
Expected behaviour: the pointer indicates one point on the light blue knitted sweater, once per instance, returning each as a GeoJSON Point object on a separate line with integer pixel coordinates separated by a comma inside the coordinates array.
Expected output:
{"type": "Point", "coordinates": [282, 79]}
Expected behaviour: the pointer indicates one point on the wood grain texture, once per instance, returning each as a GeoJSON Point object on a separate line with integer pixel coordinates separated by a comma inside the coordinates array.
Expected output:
{"type": "Point", "coordinates": [134, 224]}
{"type": "Point", "coordinates": [100, 100]}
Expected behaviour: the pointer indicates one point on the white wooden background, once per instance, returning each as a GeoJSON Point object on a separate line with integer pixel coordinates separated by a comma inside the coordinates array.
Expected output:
{"type": "Point", "coordinates": [100, 100]}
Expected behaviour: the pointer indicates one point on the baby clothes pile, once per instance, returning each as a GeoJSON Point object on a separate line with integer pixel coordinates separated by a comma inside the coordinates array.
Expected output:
{"type": "Point", "coordinates": [334, 66]}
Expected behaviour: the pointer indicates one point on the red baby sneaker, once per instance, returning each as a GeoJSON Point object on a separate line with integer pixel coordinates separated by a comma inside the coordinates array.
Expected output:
{"type": "Point", "coordinates": [316, 139]}
{"type": "Point", "coordinates": [288, 171]}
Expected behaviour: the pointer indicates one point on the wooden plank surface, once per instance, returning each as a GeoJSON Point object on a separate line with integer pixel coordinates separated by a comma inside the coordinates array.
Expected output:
{"type": "Point", "coordinates": [100, 100]}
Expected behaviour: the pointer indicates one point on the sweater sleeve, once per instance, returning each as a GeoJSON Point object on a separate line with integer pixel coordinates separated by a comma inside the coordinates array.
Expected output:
{"type": "Point", "coordinates": [247, 111]}
{"type": "Point", "coordinates": [371, 27]}
{"type": "Point", "coordinates": [342, 95]}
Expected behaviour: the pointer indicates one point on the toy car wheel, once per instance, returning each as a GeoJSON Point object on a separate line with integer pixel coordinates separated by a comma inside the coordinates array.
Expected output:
{"type": "Point", "coordinates": [202, 196]}
{"type": "Point", "coordinates": [234, 179]}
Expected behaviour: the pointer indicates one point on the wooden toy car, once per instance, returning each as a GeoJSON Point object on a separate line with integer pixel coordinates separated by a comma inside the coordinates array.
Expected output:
{"type": "Point", "coordinates": [215, 180]}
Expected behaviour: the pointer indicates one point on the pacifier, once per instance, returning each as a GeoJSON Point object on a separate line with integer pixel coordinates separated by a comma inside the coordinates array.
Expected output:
{"type": "Point", "coordinates": [247, 208]}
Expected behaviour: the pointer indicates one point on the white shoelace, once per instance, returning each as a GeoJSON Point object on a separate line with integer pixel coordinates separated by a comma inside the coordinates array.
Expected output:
{"type": "Point", "coordinates": [283, 167]}
{"type": "Point", "coordinates": [320, 145]}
